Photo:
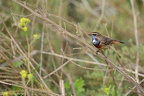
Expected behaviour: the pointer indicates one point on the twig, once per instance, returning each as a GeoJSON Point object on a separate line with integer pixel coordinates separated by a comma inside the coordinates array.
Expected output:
{"type": "Point", "coordinates": [88, 7]}
{"type": "Point", "coordinates": [60, 12]}
{"type": "Point", "coordinates": [102, 14]}
{"type": "Point", "coordinates": [71, 84]}
{"type": "Point", "coordinates": [31, 89]}
{"type": "Point", "coordinates": [57, 69]}
{"type": "Point", "coordinates": [136, 40]}
{"type": "Point", "coordinates": [41, 55]}
{"type": "Point", "coordinates": [132, 89]}
{"type": "Point", "coordinates": [114, 81]}
{"type": "Point", "coordinates": [62, 89]}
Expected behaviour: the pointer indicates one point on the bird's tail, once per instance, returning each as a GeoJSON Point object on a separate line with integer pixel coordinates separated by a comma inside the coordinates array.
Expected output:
{"type": "Point", "coordinates": [117, 42]}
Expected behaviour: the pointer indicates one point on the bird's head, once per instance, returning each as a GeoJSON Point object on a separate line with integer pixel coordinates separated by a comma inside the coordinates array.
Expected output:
{"type": "Point", "coordinates": [94, 34]}
{"type": "Point", "coordinates": [95, 41]}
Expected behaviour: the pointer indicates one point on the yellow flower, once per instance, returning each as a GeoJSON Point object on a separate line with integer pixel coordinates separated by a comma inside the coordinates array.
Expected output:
{"type": "Point", "coordinates": [36, 36]}
{"type": "Point", "coordinates": [23, 73]}
{"type": "Point", "coordinates": [28, 20]}
{"type": "Point", "coordinates": [23, 23]}
{"type": "Point", "coordinates": [25, 29]}
{"type": "Point", "coordinates": [30, 77]}
{"type": "Point", "coordinates": [106, 90]}
{"type": "Point", "coordinates": [5, 93]}
{"type": "Point", "coordinates": [24, 59]}
{"type": "Point", "coordinates": [24, 20]}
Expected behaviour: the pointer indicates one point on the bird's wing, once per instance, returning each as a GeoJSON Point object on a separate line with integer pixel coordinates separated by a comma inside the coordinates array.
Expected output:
{"type": "Point", "coordinates": [104, 40]}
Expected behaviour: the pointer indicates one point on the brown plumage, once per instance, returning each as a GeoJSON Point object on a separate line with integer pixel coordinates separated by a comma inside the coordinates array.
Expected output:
{"type": "Point", "coordinates": [104, 40]}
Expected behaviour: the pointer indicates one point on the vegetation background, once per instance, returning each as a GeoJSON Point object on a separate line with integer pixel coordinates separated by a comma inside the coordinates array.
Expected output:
{"type": "Point", "coordinates": [55, 57]}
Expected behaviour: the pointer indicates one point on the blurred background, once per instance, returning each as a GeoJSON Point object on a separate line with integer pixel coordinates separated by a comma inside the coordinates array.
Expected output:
{"type": "Point", "coordinates": [62, 58]}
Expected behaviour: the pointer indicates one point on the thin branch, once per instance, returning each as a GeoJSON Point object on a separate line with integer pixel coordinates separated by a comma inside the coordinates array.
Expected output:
{"type": "Point", "coordinates": [31, 89]}
{"type": "Point", "coordinates": [102, 14]}
{"type": "Point", "coordinates": [60, 67]}
{"type": "Point", "coordinates": [41, 55]}
{"type": "Point", "coordinates": [62, 88]}
{"type": "Point", "coordinates": [71, 84]}
{"type": "Point", "coordinates": [136, 39]}
{"type": "Point", "coordinates": [111, 74]}
{"type": "Point", "coordinates": [88, 7]}
{"type": "Point", "coordinates": [60, 12]}
{"type": "Point", "coordinates": [133, 88]}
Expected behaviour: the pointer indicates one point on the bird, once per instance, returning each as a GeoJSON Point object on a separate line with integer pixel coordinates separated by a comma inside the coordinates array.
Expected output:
{"type": "Point", "coordinates": [100, 41]}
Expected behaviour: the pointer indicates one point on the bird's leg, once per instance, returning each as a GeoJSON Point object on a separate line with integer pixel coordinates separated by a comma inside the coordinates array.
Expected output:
{"type": "Point", "coordinates": [97, 51]}
{"type": "Point", "coordinates": [100, 51]}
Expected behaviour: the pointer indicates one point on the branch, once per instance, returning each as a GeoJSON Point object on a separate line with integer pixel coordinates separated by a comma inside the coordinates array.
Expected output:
{"type": "Point", "coordinates": [136, 39]}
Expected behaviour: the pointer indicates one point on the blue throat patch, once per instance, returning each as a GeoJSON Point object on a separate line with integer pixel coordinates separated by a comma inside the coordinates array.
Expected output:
{"type": "Point", "coordinates": [95, 41]}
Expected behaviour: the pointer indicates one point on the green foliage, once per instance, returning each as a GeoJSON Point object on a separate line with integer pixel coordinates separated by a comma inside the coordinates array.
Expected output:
{"type": "Point", "coordinates": [36, 68]}
{"type": "Point", "coordinates": [129, 53]}
{"type": "Point", "coordinates": [110, 91]}
{"type": "Point", "coordinates": [15, 88]}
{"type": "Point", "coordinates": [18, 63]}
{"type": "Point", "coordinates": [78, 86]}
{"type": "Point", "coordinates": [95, 74]}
